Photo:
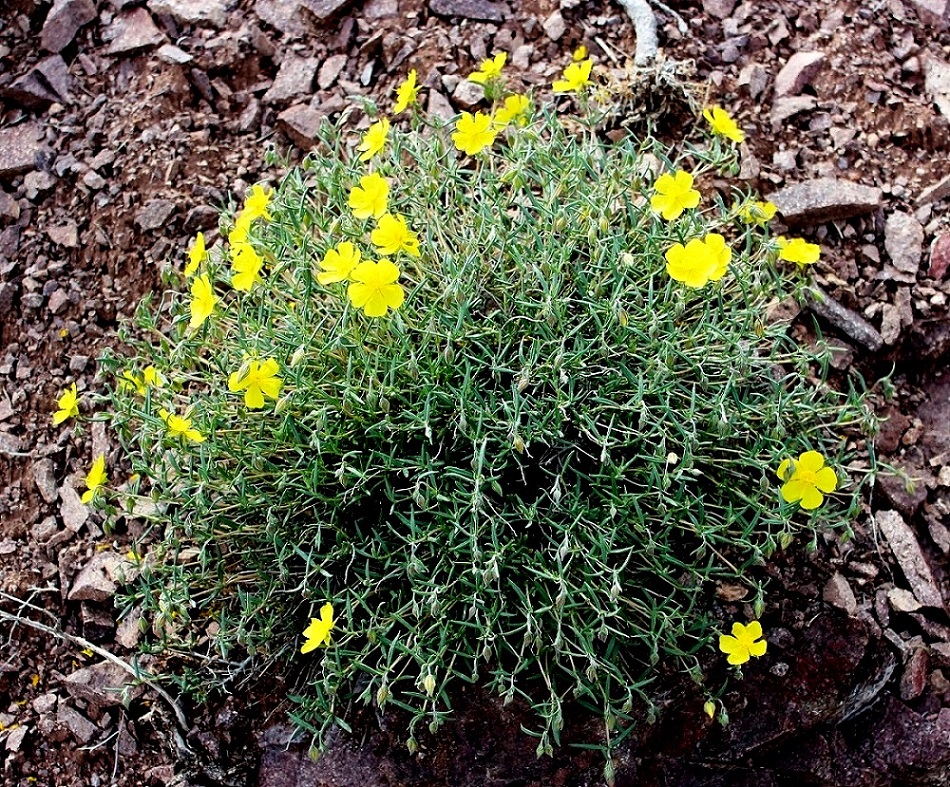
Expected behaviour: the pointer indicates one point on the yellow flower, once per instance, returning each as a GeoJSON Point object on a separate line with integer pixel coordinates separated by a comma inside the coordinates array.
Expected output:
{"type": "Point", "coordinates": [242, 225]}
{"type": "Point", "coordinates": [369, 198]}
{"type": "Point", "coordinates": [579, 54]}
{"type": "Point", "coordinates": [392, 235]}
{"type": "Point", "coordinates": [338, 263]}
{"type": "Point", "coordinates": [742, 645]}
{"type": "Point", "coordinates": [576, 76]}
{"type": "Point", "coordinates": [203, 300]}
{"type": "Point", "coordinates": [95, 478]}
{"type": "Point", "coordinates": [515, 110]}
{"type": "Point", "coordinates": [130, 381]}
{"type": "Point", "coordinates": [473, 133]}
{"type": "Point", "coordinates": [760, 213]}
{"type": "Point", "coordinates": [406, 93]}
{"type": "Point", "coordinates": [799, 251]}
{"type": "Point", "coordinates": [180, 426]}
{"type": "Point", "coordinates": [723, 124]}
{"type": "Point", "coordinates": [68, 404]}
{"type": "Point", "coordinates": [196, 254]}
{"type": "Point", "coordinates": [806, 480]}
{"type": "Point", "coordinates": [246, 267]}
{"type": "Point", "coordinates": [674, 193]}
{"type": "Point", "coordinates": [374, 140]}
{"type": "Point", "coordinates": [709, 708]}
{"type": "Point", "coordinates": [318, 632]}
{"type": "Point", "coordinates": [256, 202]}
{"type": "Point", "coordinates": [489, 69]}
{"type": "Point", "coordinates": [700, 261]}
{"type": "Point", "coordinates": [259, 380]}
{"type": "Point", "coordinates": [374, 288]}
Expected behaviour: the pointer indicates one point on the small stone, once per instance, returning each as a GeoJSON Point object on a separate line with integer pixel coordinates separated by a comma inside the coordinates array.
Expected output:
{"type": "Point", "coordinates": [890, 324]}
{"type": "Point", "coordinates": [95, 581]}
{"type": "Point", "coordinates": [101, 684]}
{"type": "Point", "coordinates": [784, 311]}
{"type": "Point", "coordinates": [301, 123]}
{"type": "Point", "coordinates": [295, 78]}
{"type": "Point", "coordinates": [81, 728]}
{"type": "Point", "coordinates": [323, 9]}
{"type": "Point", "coordinates": [838, 593]}
{"type": "Point", "coordinates": [909, 556]}
{"type": "Point", "coordinates": [439, 106]}
{"type": "Point", "coordinates": [788, 107]}
{"type": "Point", "coordinates": [850, 323]}
{"type": "Point", "coordinates": [65, 234]}
{"type": "Point", "coordinates": [63, 21]}
{"type": "Point", "coordinates": [58, 301]}
{"type": "Point", "coordinates": [154, 214]}
{"type": "Point", "coordinates": [754, 78]}
{"type": "Point", "coordinates": [9, 207]}
{"type": "Point", "coordinates": [721, 9]}
{"type": "Point", "coordinates": [330, 70]}
{"type": "Point", "coordinates": [902, 600]}
{"type": "Point", "coordinates": [15, 738]}
{"type": "Point", "coordinates": [904, 240]}
{"type": "Point", "coordinates": [481, 10]}
{"type": "Point", "coordinates": [825, 199]}
{"type": "Point", "coordinates": [800, 69]}
{"type": "Point", "coordinates": [914, 679]}
{"type": "Point", "coordinates": [129, 631]}
{"type": "Point", "coordinates": [44, 476]}
{"type": "Point", "coordinates": [72, 509]}
{"type": "Point", "coordinates": [193, 12]}
{"type": "Point", "coordinates": [36, 183]}
{"type": "Point", "coordinates": [554, 26]}
{"type": "Point", "coordinates": [94, 180]}
{"type": "Point", "coordinates": [935, 191]}
{"type": "Point", "coordinates": [468, 94]}
{"type": "Point", "coordinates": [44, 530]}
{"type": "Point", "coordinates": [380, 9]}
{"type": "Point", "coordinates": [44, 703]}
{"type": "Point", "coordinates": [937, 83]}
{"type": "Point", "coordinates": [939, 256]}
{"type": "Point", "coordinates": [287, 17]}
{"type": "Point", "coordinates": [20, 148]}
{"type": "Point", "coordinates": [171, 54]}
{"type": "Point", "coordinates": [200, 217]}
{"type": "Point", "coordinates": [132, 31]}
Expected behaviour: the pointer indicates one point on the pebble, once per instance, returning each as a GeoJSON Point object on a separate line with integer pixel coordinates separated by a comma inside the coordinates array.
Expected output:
{"type": "Point", "coordinates": [64, 234]}
{"type": "Point", "coordinates": [481, 10]}
{"type": "Point", "coordinates": [101, 684]}
{"type": "Point", "coordinates": [301, 123]}
{"type": "Point", "coordinates": [902, 600]}
{"type": "Point", "coordinates": [909, 556]}
{"type": "Point", "coordinates": [903, 241]}
{"type": "Point", "coordinates": [81, 728]}
{"type": "Point", "coordinates": [754, 78]}
{"type": "Point", "coordinates": [799, 71]}
{"type": "Point", "coordinates": [554, 26]}
{"type": "Point", "coordinates": [890, 324]}
{"type": "Point", "coordinates": [468, 94]}
{"type": "Point", "coordinates": [63, 21]}
{"type": "Point", "coordinates": [72, 509]}
{"type": "Point", "coordinates": [171, 54]}
{"type": "Point", "coordinates": [825, 199]}
{"type": "Point", "coordinates": [838, 593]}
{"type": "Point", "coordinates": [95, 581]}
{"type": "Point", "coordinates": [914, 679]}
{"type": "Point", "coordinates": [720, 9]}
{"type": "Point", "coordinates": [44, 476]}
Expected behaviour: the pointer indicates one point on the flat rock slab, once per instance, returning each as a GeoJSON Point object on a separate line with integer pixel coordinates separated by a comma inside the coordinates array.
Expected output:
{"type": "Point", "coordinates": [295, 78]}
{"type": "Point", "coordinates": [132, 31]}
{"type": "Point", "coordinates": [20, 147]}
{"type": "Point", "coordinates": [193, 12]}
{"type": "Point", "coordinates": [482, 10]}
{"type": "Point", "coordinates": [825, 199]}
{"type": "Point", "coordinates": [908, 554]}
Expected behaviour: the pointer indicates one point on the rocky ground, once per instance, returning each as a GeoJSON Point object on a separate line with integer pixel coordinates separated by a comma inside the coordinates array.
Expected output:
{"type": "Point", "coordinates": [125, 124]}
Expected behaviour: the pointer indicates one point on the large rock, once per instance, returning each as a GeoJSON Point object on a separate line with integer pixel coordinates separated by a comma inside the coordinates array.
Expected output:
{"type": "Point", "coordinates": [63, 21]}
{"type": "Point", "coordinates": [20, 149]}
{"type": "Point", "coordinates": [937, 83]}
{"type": "Point", "coordinates": [193, 12]}
{"type": "Point", "coordinates": [46, 82]}
{"type": "Point", "coordinates": [904, 241]}
{"type": "Point", "coordinates": [800, 70]}
{"type": "Point", "coordinates": [132, 31]}
{"type": "Point", "coordinates": [825, 199]}
{"type": "Point", "coordinates": [931, 12]}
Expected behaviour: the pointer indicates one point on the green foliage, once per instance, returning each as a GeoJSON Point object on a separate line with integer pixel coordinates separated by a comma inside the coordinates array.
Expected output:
{"type": "Point", "coordinates": [529, 476]}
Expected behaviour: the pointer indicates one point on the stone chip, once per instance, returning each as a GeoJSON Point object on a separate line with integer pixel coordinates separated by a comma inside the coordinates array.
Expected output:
{"type": "Point", "coordinates": [909, 556]}
{"type": "Point", "coordinates": [825, 199]}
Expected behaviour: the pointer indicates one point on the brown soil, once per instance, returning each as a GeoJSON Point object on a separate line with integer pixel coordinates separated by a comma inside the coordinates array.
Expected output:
{"type": "Point", "coordinates": [856, 687]}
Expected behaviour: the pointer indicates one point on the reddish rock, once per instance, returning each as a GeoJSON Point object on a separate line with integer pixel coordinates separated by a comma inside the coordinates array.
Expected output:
{"type": "Point", "coordinates": [800, 69]}
{"type": "Point", "coordinates": [931, 12]}
{"type": "Point", "coordinates": [20, 146]}
{"type": "Point", "coordinates": [132, 31]}
{"type": "Point", "coordinates": [914, 679]}
{"type": "Point", "coordinates": [301, 123]}
{"type": "Point", "coordinates": [63, 21]}
{"type": "Point", "coordinates": [939, 256]}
